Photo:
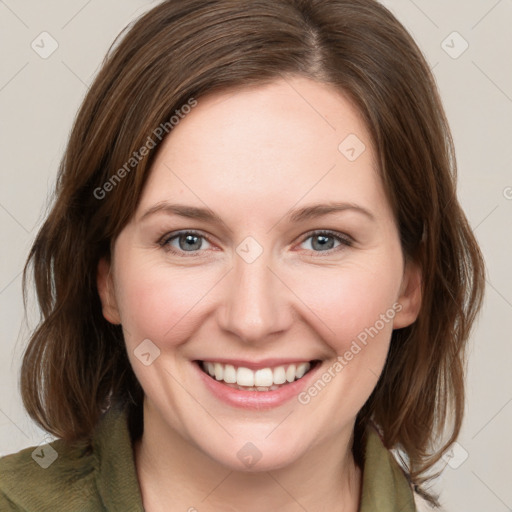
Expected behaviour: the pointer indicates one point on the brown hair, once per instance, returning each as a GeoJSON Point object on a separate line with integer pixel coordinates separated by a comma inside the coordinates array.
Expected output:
{"type": "Point", "coordinates": [76, 364]}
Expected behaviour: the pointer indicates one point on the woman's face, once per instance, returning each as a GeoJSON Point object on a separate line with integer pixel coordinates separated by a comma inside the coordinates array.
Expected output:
{"type": "Point", "coordinates": [234, 258]}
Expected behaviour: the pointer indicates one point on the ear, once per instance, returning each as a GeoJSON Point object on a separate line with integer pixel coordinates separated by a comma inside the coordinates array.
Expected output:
{"type": "Point", "coordinates": [410, 296]}
{"type": "Point", "coordinates": [106, 292]}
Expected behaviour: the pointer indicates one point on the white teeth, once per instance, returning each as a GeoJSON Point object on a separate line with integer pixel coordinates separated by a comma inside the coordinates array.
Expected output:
{"type": "Point", "coordinates": [264, 379]}
{"type": "Point", "coordinates": [301, 370]}
{"type": "Point", "coordinates": [279, 375]}
{"type": "Point", "coordinates": [290, 373]}
{"type": "Point", "coordinates": [229, 374]}
{"type": "Point", "coordinates": [244, 377]}
{"type": "Point", "coordinates": [219, 371]}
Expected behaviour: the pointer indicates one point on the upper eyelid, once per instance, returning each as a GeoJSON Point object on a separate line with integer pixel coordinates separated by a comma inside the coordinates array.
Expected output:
{"type": "Point", "coordinates": [174, 234]}
{"type": "Point", "coordinates": [342, 237]}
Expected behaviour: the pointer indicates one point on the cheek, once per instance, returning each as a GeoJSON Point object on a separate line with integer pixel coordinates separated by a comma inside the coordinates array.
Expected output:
{"type": "Point", "coordinates": [158, 304]}
{"type": "Point", "coordinates": [354, 313]}
{"type": "Point", "coordinates": [354, 303]}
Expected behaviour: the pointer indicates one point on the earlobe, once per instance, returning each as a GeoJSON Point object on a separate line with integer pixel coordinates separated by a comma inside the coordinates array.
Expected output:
{"type": "Point", "coordinates": [410, 296]}
{"type": "Point", "coordinates": [106, 292]}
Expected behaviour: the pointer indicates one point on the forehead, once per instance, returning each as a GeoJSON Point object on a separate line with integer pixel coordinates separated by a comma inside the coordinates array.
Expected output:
{"type": "Point", "coordinates": [267, 145]}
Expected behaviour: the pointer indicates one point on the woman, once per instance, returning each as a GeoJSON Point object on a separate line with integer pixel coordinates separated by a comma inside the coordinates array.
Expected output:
{"type": "Point", "coordinates": [256, 279]}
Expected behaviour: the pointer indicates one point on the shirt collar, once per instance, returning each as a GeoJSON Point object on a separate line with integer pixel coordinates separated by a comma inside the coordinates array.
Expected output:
{"type": "Point", "coordinates": [116, 478]}
{"type": "Point", "coordinates": [385, 487]}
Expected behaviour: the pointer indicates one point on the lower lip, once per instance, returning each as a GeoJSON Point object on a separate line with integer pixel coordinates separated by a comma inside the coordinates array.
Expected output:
{"type": "Point", "coordinates": [256, 399]}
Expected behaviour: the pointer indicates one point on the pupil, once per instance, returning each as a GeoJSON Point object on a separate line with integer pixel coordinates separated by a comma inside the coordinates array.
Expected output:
{"type": "Point", "coordinates": [323, 244]}
{"type": "Point", "coordinates": [191, 246]}
{"type": "Point", "coordinates": [323, 241]}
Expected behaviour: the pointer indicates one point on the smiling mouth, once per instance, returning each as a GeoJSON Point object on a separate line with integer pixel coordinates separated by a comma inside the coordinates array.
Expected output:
{"type": "Point", "coordinates": [263, 379]}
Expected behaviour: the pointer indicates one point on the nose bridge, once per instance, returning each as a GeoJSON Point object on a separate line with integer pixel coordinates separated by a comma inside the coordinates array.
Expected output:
{"type": "Point", "coordinates": [255, 305]}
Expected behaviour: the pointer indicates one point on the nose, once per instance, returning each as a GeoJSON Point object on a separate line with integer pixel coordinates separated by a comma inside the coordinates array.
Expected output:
{"type": "Point", "coordinates": [256, 301]}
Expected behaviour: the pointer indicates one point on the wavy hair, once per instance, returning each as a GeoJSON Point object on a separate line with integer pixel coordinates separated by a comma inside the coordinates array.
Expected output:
{"type": "Point", "coordinates": [75, 364]}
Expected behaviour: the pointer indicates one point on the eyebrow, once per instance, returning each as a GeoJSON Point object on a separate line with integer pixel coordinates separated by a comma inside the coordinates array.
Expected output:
{"type": "Point", "coordinates": [319, 210]}
{"type": "Point", "coordinates": [293, 216]}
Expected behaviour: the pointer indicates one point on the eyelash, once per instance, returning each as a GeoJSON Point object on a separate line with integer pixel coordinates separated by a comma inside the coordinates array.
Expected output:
{"type": "Point", "coordinates": [344, 240]}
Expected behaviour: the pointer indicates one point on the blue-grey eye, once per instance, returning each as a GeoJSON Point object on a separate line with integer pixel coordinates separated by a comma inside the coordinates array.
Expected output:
{"type": "Point", "coordinates": [323, 241]}
{"type": "Point", "coordinates": [187, 241]}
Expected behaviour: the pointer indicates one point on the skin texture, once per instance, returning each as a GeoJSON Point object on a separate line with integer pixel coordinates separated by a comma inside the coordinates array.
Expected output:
{"type": "Point", "coordinates": [251, 156]}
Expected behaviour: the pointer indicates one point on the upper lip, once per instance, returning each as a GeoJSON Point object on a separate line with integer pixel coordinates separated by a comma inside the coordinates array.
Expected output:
{"type": "Point", "coordinates": [256, 365]}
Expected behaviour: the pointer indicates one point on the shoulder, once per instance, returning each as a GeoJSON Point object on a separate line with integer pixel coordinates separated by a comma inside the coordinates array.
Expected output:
{"type": "Point", "coordinates": [90, 475]}
{"type": "Point", "coordinates": [45, 477]}
{"type": "Point", "coordinates": [386, 485]}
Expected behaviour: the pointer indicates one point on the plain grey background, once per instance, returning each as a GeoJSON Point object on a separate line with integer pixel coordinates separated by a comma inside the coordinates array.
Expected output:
{"type": "Point", "coordinates": [469, 47]}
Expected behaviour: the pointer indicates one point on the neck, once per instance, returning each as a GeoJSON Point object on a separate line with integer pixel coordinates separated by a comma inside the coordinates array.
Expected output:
{"type": "Point", "coordinates": [171, 470]}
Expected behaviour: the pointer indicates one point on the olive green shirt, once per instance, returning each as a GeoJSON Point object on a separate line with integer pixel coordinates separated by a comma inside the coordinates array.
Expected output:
{"type": "Point", "coordinates": [58, 477]}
